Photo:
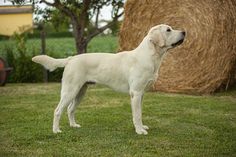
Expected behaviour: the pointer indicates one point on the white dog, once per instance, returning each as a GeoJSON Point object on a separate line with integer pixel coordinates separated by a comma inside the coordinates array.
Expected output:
{"type": "Point", "coordinates": [129, 72]}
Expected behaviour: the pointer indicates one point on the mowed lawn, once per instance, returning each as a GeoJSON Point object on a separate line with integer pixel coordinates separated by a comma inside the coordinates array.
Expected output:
{"type": "Point", "coordinates": [180, 125]}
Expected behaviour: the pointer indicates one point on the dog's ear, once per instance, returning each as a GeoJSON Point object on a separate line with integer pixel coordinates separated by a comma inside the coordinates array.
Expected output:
{"type": "Point", "coordinates": [156, 38]}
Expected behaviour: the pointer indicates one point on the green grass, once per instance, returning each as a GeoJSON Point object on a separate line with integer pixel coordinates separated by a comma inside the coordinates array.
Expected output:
{"type": "Point", "coordinates": [66, 46]}
{"type": "Point", "coordinates": [180, 125]}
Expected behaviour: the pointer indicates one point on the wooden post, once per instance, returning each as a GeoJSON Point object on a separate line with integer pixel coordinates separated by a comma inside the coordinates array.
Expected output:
{"type": "Point", "coordinates": [43, 50]}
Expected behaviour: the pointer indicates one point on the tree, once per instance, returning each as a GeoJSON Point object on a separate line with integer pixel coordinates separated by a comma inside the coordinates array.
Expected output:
{"type": "Point", "coordinates": [80, 13]}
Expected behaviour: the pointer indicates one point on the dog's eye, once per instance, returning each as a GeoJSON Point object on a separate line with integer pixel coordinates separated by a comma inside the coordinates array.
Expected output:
{"type": "Point", "coordinates": [168, 30]}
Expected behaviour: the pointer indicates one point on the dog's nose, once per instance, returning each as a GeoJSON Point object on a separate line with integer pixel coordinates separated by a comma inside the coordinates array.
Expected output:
{"type": "Point", "coordinates": [183, 33]}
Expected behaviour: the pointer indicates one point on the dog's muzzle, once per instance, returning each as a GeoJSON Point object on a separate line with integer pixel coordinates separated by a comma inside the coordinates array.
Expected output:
{"type": "Point", "coordinates": [180, 41]}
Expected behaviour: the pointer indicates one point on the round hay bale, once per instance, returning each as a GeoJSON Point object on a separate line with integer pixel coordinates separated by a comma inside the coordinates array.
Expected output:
{"type": "Point", "coordinates": [206, 61]}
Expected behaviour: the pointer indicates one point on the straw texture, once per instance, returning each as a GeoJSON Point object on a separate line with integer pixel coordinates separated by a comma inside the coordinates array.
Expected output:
{"type": "Point", "coordinates": [206, 61]}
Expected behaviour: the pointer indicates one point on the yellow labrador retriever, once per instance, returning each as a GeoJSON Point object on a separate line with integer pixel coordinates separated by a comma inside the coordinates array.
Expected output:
{"type": "Point", "coordinates": [129, 71]}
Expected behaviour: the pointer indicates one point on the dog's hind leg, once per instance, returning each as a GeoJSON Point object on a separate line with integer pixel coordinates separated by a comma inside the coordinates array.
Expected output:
{"type": "Point", "coordinates": [68, 94]}
{"type": "Point", "coordinates": [58, 111]}
{"type": "Point", "coordinates": [71, 108]}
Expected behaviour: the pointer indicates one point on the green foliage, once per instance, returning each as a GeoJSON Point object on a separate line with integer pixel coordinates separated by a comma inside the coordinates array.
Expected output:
{"type": "Point", "coordinates": [23, 69]}
{"type": "Point", "coordinates": [108, 44]}
{"type": "Point", "coordinates": [51, 34]}
{"type": "Point", "coordinates": [54, 20]}
{"type": "Point", "coordinates": [180, 125]}
{"type": "Point", "coordinates": [19, 50]}
{"type": "Point", "coordinates": [3, 37]}
{"type": "Point", "coordinates": [63, 47]}
{"type": "Point", "coordinates": [116, 27]}
{"type": "Point", "coordinates": [59, 21]}
{"type": "Point", "coordinates": [79, 14]}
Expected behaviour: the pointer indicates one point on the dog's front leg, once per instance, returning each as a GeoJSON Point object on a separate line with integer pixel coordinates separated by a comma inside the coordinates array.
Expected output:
{"type": "Point", "coordinates": [136, 105]}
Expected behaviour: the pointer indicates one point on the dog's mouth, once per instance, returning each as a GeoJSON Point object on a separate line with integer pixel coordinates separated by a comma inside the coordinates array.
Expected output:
{"type": "Point", "coordinates": [178, 43]}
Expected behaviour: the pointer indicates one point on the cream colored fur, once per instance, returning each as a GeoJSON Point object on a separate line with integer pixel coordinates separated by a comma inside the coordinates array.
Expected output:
{"type": "Point", "coordinates": [128, 71]}
{"type": "Point", "coordinates": [50, 63]}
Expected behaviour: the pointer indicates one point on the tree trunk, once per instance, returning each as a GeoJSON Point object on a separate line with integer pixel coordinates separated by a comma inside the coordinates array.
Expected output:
{"type": "Point", "coordinates": [82, 47]}
{"type": "Point", "coordinates": [80, 41]}
{"type": "Point", "coordinates": [80, 44]}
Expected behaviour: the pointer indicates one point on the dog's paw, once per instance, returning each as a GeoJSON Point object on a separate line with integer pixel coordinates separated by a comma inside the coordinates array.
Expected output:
{"type": "Point", "coordinates": [55, 131]}
{"type": "Point", "coordinates": [75, 125]}
{"type": "Point", "coordinates": [145, 127]}
{"type": "Point", "coordinates": [141, 131]}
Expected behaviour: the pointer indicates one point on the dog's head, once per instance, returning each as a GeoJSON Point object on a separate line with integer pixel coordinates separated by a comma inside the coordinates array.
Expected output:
{"type": "Point", "coordinates": [164, 36]}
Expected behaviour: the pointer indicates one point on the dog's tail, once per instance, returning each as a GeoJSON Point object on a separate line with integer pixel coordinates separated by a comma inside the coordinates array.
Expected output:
{"type": "Point", "coordinates": [49, 62]}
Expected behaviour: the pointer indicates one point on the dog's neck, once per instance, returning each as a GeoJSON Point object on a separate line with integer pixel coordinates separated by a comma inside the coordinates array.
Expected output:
{"type": "Point", "coordinates": [151, 53]}
{"type": "Point", "coordinates": [153, 49]}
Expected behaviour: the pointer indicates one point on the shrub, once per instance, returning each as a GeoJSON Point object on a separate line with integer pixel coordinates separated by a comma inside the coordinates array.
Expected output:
{"type": "Point", "coordinates": [24, 70]}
